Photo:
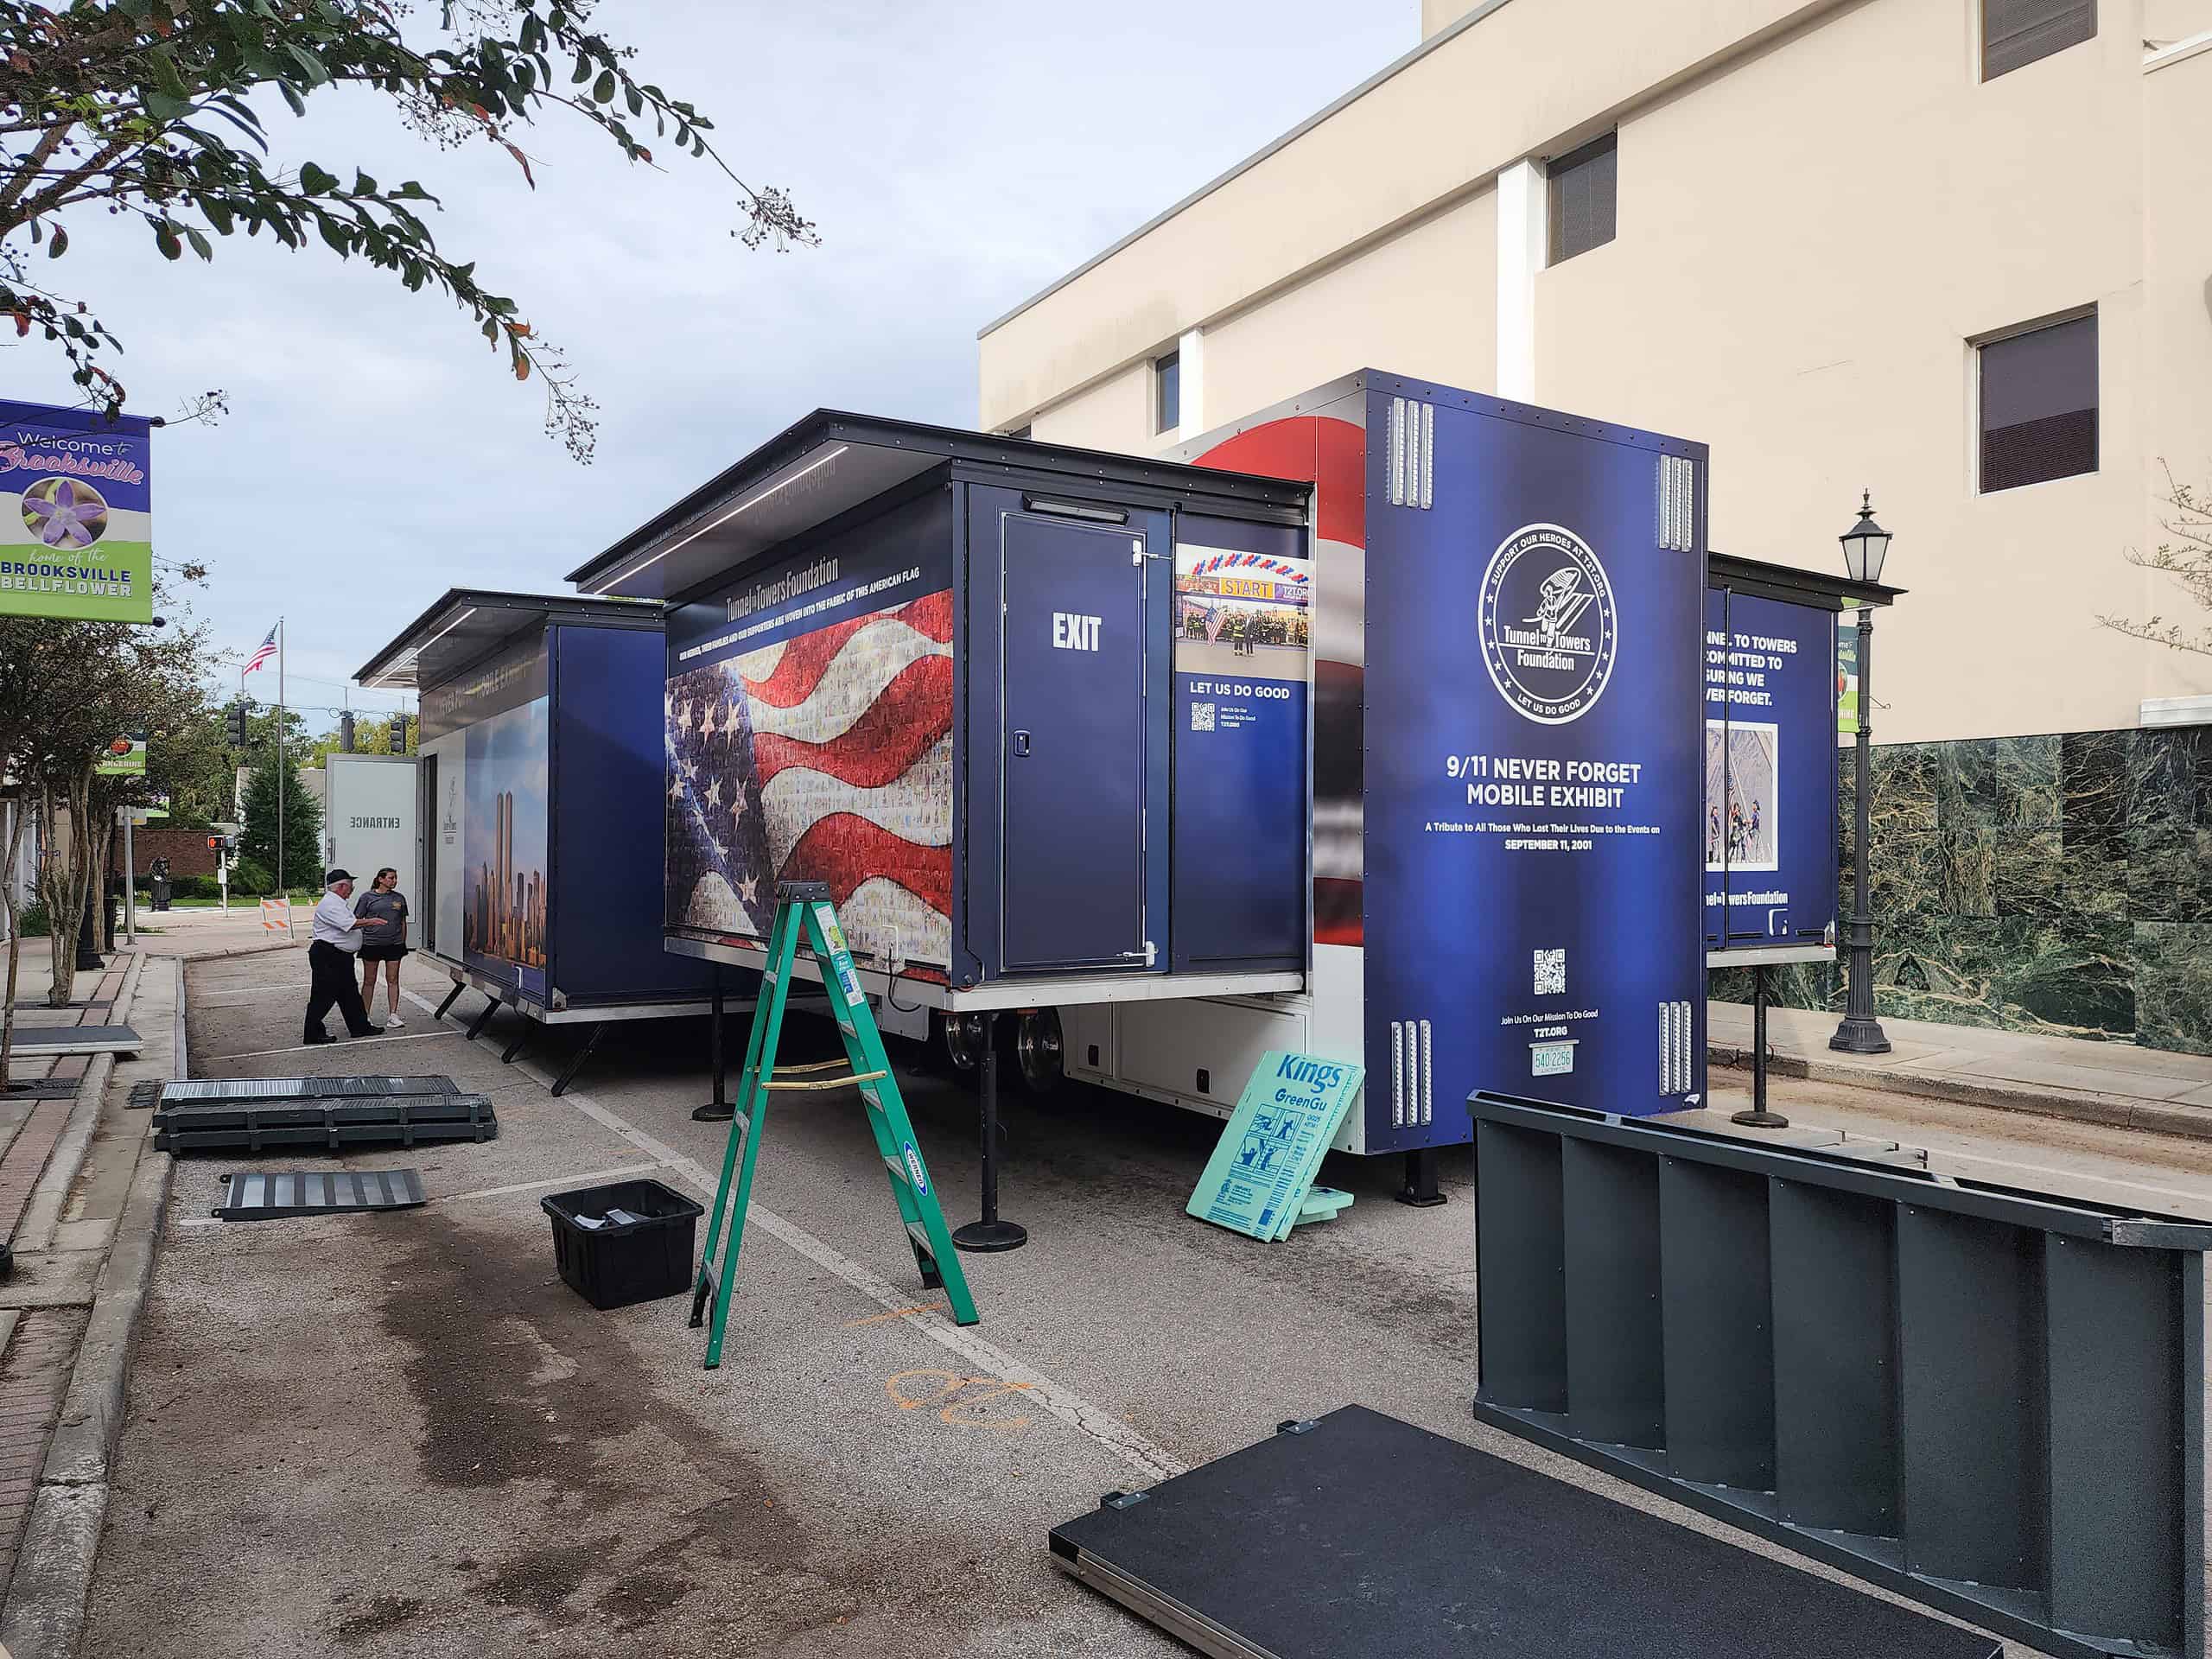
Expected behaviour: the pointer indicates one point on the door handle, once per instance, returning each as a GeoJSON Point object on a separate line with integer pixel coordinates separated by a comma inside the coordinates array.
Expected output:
{"type": "Point", "coordinates": [1021, 743]}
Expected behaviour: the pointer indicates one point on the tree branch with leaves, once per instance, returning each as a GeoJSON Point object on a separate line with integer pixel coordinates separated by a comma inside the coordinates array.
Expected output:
{"type": "Point", "coordinates": [2187, 558]}
{"type": "Point", "coordinates": [145, 108]}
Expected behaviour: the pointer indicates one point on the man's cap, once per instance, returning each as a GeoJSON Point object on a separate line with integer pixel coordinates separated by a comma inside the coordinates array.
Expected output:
{"type": "Point", "coordinates": [336, 876]}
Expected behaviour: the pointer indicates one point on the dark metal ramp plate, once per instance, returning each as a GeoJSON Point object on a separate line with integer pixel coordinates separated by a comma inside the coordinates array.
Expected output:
{"type": "Point", "coordinates": [253, 1197]}
{"type": "Point", "coordinates": [264, 1089]}
{"type": "Point", "coordinates": [1364, 1536]}
{"type": "Point", "coordinates": [76, 1039]}
{"type": "Point", "coordinates": [332, 1124]}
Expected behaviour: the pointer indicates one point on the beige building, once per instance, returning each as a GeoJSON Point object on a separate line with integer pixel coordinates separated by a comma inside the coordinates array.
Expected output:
{"type": "Point", "coordinates": [1956, 251]}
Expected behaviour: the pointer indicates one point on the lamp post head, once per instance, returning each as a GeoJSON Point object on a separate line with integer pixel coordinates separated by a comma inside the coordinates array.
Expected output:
{"type": "Point", "coordinates": [1866, 544]}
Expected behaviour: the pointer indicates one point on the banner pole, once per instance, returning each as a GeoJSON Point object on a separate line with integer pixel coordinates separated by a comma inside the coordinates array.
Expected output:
{"type": "Point", "coordinates": [283, 892]}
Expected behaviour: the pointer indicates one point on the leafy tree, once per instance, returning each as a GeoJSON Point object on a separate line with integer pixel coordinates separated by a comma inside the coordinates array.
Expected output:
{"type": "Point", "coordinates": [302, 860]}
{"type": "Point", "coordinates": [372, 736]}
{"type": "Point", "coordinates": [2187, 557]}
{"type": "Point", "coordinates": [145, 108]}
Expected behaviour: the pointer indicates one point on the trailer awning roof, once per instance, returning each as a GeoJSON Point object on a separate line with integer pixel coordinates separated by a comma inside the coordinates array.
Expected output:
{"type": "Point", "coordinates": [468, 624]}
{"type": "Point", "coordinates": [1797, 587]}
{"type": "Point", "coordinates": [831, 462]}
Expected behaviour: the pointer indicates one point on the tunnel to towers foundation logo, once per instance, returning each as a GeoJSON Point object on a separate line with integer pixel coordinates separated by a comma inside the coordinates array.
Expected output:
{"type": "Point", "coordinates": [1547, 624]}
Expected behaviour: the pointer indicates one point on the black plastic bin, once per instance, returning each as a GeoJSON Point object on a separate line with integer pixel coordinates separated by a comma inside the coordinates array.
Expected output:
{"type": "Point", "coordinates": [622, 1263]}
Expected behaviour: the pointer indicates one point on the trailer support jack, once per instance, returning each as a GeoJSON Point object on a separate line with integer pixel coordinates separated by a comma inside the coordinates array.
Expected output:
{"type": "Point", "coordinates": [458, 988]}
{"type": "Point", "coordinates": [1421, 1189]}
{"type": "Point", "coordinates": [990, 1233]}
{"type": "Point", "coordinates": [576, 1064]}
{"type": "Point", "coordinates": [491, 1007]}
{"type": "Point", "coordinates": [717, 1110]}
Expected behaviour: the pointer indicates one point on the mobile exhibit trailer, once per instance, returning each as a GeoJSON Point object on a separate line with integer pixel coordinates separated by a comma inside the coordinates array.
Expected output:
{"type": "Point", "coordinates": [936, 671]}
{"type": "Point", "coordinates": [1772, 688]}
{"type": "Point", "coordinates": [538, 780]}
{"type": "Point", "coordinates": [1504, 616]}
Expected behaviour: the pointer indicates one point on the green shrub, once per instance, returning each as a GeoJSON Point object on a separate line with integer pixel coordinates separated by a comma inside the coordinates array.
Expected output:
{"type": "Point", "coordinates": [252, 879]}
{"type": "Point", "coordinates": [32, 919]}
{"type": "Point", "coordinates": [193, 887]}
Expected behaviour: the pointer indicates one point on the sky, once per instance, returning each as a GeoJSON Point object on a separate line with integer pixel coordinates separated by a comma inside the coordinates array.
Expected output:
{"type": "Point", "coordinates": [956, 158]}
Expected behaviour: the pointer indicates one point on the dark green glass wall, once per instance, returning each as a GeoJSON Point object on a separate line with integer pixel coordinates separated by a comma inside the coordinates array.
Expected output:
{"type": "Point", "coordinates": [2057, 884]}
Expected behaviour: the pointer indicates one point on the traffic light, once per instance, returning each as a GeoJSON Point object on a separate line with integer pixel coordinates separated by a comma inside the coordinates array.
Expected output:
{"type": "Point", "coordinates": [234, 723]}
{"type": "Point", "coordinates": [399, 733]}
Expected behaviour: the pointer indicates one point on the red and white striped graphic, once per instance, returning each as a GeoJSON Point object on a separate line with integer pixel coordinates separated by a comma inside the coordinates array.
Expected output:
{"type": "Point", "coordinates": [828, 758]}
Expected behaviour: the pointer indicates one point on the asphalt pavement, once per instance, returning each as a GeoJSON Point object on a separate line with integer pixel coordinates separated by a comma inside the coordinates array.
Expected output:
{"type": "Point", "coordinates": [403, 1434]}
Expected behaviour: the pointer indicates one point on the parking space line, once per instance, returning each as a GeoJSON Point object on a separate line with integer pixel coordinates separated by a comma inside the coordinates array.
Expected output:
{"type": "Point", "coordinates": [1110, 1432]}
{"type": "Point", "coordinates": [585, 1178]}
{"type": "Point", "coordinates": [304, 1048]}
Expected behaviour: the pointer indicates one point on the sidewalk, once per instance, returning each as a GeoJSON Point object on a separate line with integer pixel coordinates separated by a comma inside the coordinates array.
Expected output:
{"type": "Point", "coordinates": [2113, 1083]}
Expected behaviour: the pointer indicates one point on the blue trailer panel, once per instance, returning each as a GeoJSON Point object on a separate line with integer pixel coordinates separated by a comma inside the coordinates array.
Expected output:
{"type": "Point", "coordinates": [1769, 832]}
{"type": "Point", "coordinates": [1532, 764]}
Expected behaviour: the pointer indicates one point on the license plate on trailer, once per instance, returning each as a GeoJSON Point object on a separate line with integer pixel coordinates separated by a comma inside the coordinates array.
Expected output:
{"type": "Point", "coordinates": [1550, 1059]}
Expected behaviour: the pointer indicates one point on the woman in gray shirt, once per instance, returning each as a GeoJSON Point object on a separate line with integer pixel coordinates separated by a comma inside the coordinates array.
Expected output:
{"type": "Point", "coordinates": [383, 950]}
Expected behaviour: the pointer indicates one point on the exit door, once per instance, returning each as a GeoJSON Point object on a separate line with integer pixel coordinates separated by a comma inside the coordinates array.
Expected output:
{"type": "Point", "coordinates": [1071, 701]}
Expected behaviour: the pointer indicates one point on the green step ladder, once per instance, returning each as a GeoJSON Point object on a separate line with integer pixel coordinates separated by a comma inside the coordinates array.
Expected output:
{"type": "Point", "coordinates": [804, 908]}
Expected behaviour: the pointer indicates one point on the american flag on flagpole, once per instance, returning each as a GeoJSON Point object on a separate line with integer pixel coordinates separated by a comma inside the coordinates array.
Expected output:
{"type": "Point", "coordinates": [262, 653]}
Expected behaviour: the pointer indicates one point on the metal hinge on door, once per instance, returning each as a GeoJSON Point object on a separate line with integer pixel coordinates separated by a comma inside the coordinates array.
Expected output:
{"type": "Point", "coordinates": [1148, 956]}
{"type": "Point", "coordinates": [1137, 555]}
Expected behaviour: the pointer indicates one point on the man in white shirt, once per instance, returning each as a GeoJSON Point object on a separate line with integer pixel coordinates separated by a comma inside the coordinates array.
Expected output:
{"type": "Point", "coordinates": [332, 944]}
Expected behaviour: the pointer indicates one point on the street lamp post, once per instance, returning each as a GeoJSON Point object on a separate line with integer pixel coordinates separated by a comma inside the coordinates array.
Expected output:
{"type": "Point", "coordinates": [1866, 544]}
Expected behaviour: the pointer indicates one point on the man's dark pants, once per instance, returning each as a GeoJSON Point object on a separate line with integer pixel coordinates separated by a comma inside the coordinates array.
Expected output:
{"type": "Point", "coordinates": [334, 982]}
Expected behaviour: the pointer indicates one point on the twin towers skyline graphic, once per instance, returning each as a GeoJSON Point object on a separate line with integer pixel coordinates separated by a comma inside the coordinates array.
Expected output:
{"type": "Point", "coordinates": [505, 916]}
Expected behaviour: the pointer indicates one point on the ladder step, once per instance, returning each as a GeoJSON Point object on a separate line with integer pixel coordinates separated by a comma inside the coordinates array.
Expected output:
{"type": "Point", "coordinates": [828, 1082]}
{"type": "Point", "coordinates": [914, 1230]}
{"type": "Point", "coordinates": [898, 1169]}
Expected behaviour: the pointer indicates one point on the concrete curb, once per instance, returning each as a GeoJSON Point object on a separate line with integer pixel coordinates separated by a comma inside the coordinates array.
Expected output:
{"type": "Point", "coordinates": [45, 1611]}
{"type": "Point", "coordinates": [240, 951]}
{"type": "Point", "coordinates": [2154, 1117]}
{"type": "Point", "coordinates": [44, 1608]}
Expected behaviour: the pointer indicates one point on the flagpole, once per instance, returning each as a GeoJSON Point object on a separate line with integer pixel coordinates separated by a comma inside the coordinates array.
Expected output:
{"type": "Point", "coordinates": [283, 891]}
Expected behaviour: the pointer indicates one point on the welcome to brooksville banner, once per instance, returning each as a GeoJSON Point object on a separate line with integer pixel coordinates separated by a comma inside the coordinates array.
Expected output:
{"type": "Point", "coordinates": [76, 514]}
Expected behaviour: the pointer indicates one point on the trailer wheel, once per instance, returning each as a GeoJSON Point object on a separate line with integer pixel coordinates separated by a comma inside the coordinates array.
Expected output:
{"type": "Point", "coordinates": [1039, 1053]}
{"type": "Point", "coordinates": [960, 1040]}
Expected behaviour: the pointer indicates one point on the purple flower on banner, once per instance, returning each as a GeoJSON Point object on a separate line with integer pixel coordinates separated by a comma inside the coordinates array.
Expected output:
{"type": "Point", "coordinates": [62, 512]}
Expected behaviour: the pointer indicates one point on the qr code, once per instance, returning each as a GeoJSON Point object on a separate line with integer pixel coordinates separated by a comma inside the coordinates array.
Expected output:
{"type": "Point", "coordinates": [1551, 973]}
{"type": "Point", "coordinates": [1202, 716]}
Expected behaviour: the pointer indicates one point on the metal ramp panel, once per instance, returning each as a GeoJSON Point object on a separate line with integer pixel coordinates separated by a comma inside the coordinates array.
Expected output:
{"type": "Point", "coordinates": [38, 1040]}
{"type": "Point", "coordinates": [1357, 1536]}
{"type": "Point", "coordinates": [332, 1125]}
{"type": "Point", "coordinates": [213, 1090]}
{"type": "Point", "coordinates": [253, 1196]}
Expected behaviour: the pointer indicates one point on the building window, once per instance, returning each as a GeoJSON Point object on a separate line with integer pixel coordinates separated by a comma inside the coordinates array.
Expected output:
{"type": "Point", "coordinates": [2039, 404]}
{"type": "Point", "coordinates": [1167, 380]}
{"type": "Point", "coordinates": [2015, 33]}
{"type": "Point", "coordinates": [1585, 189]}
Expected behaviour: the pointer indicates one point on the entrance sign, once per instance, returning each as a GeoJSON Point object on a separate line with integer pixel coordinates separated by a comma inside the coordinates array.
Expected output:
{"type": "Point", "coordinates": [76, 515]}
{"type": "Point", "coordinates": [1257, 1180]}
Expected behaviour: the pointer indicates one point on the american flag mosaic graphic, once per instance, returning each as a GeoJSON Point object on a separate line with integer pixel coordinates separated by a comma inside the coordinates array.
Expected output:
{"type": "Point", "coordinates": [828, 758]}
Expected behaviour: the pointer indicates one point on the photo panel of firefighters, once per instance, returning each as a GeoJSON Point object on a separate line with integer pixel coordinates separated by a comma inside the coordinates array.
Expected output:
{"type": "Point", "coordinates": [826, 756]}
{"type": "Point", "coordinates": [1241, 612]}
{"type": "Point", "coordinates": [1742, 774]}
